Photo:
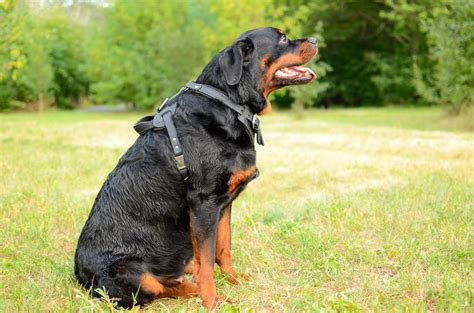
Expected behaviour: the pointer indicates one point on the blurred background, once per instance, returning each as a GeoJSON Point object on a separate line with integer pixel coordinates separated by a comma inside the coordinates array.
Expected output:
{"type": "Point", "coordinates": [71, 54]}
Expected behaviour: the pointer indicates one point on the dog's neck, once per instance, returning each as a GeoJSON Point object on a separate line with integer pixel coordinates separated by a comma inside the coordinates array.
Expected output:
{"type": "Point", "coordinates": [244, 93]}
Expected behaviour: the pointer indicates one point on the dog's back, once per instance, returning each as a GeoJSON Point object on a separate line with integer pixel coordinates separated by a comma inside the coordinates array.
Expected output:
{"type": "Point", "coordinates": [140, 211]}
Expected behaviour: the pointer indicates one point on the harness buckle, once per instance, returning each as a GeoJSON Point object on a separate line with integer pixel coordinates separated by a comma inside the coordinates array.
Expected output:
{"type": "Point", "coordinates": [162, 104]}
{"type": "Point", "coordinates": [180, 162]}
{"type": "Point", "coordinates": [255, 122]}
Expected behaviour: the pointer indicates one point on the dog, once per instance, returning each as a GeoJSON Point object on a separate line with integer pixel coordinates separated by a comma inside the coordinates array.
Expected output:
{"type": "Point", "coordinates": [148, 227]}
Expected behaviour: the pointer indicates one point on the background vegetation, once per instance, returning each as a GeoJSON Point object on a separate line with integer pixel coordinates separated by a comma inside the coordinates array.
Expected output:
{"type": "Point", "coordinates": [66, 53]}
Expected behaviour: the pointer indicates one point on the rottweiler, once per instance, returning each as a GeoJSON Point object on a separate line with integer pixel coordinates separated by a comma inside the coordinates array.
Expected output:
{"type": "Point", "coordinates": [148, 227]}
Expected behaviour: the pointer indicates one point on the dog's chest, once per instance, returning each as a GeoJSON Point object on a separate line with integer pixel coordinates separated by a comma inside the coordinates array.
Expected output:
{"type": "Point", "coordinates": [240, 178]}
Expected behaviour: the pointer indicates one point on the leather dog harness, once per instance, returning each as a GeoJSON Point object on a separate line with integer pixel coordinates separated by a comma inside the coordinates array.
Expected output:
{"type": "Point", "coordinates": [163, 118]}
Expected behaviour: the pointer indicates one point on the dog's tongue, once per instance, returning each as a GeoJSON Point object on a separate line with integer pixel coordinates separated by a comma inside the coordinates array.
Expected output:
{"type": "Point", "coordinates": [292, 72]}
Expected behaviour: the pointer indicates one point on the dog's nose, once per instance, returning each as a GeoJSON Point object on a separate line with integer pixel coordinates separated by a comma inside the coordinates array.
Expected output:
{"type": "Point", "coordinates": [313, 40]}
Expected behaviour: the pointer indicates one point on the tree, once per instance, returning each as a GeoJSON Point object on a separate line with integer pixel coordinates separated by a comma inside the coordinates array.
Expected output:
{"type": "Point", "coordinates": [63, 39]}
{"type": "Point", "coordinates": [42, 56]}
{"type": "Point", "coordinates": [25, 74]}
{"type": "Point", "coordinates": [440, 39]}
{"type": "Point", "coordinates": [450, 31]}
{"type": "Point", "coordinates": [146, 50]}
{"type": "Point", "coordinates": [140, 52]}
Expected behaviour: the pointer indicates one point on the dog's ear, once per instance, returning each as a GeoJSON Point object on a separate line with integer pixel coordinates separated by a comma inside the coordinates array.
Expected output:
{"type": "Point", "coordinates": [233, 58]}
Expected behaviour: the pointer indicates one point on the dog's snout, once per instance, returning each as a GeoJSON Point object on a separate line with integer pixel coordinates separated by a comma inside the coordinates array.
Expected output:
{"type": "Point", "coordinates": [313, 40]}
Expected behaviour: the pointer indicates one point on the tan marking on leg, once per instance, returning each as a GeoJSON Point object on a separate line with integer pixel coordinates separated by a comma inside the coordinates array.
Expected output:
{"type": "Point", "coordinates": [149, 283]}
{"type": "Point", "coordinates": [204, 274]}
{"type": "Point", "coordinates": [184, 289]}
{"type": "Point", "coordinates": [189, 268]}
{"type": "Point", "coordinates": [223, 249]}
{"type": "Point", "coordinates": [223, 244]}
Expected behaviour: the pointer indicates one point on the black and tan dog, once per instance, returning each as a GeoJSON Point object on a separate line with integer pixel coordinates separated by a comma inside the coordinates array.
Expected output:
{"type": "Point", "coordinates": [148, 227]}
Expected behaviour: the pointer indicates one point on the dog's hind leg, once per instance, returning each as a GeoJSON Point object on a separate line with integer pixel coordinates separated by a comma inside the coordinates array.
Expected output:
{"type": "Point", "coordinates": [184, 289]}
{"type": "Point", "coordinates": [173, 288]}
{"type": "Point", "coordinates": [117, 293]}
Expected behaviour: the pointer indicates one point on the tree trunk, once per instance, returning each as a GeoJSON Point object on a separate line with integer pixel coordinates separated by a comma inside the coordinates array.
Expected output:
{"type": "Point", "coordinates": [299, 110]}
{"type": "Point", "coordinates": [41, 103]}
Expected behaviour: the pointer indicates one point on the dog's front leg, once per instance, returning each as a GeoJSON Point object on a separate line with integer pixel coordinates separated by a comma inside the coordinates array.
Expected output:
{"type": "Point", "coordinates": [203, 218]}
{"type": "Point", "coordinates": [223, 244]}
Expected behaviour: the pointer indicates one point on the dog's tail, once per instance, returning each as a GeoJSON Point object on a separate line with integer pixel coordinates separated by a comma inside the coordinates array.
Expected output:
{"type": "Point", "coordinates": [108, 290]}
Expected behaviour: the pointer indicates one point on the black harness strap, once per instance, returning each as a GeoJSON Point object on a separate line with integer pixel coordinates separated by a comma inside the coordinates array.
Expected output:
{"type": "Point", "coordinates": [250, 120]}
{"type": "Point", "coordinates": [163, 118]}
{"type": "Point", "coordinates": [175, 144]}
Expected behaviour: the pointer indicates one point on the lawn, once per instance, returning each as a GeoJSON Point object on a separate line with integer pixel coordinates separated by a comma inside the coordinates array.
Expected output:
{"type": "Point", "coordinates": [363, 209]}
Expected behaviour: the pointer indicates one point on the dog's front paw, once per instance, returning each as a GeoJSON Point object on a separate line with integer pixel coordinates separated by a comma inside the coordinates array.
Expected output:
{"type": "Point", "coordinates": [235, 278]}
{"type": "Point", "coordinates": [212, 303]}
{"type": "Point", "coordinates": [190, 289]}
{"type": "Point", "coordinates": [245, 276]}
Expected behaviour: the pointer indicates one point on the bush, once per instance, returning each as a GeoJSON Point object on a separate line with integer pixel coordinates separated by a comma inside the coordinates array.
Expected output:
{"type": "Point", "coordinates": [450, 32]}
{"type": "Point", "coordinates": [40, 57]}
{"type": "Point", "coordinates": [140, 52]}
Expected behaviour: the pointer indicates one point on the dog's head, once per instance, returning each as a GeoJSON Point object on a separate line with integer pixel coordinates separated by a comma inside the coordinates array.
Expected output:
{"type": "Point", "coordinates": [258, 62]}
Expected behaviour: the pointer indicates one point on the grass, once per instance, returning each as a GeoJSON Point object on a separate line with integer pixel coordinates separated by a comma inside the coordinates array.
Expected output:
{"type": "Point", "coordinates": [354, 210]}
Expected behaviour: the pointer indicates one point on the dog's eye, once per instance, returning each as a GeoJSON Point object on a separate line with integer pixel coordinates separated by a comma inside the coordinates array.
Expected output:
{"type": "Point", "coordinates": [283, 39]}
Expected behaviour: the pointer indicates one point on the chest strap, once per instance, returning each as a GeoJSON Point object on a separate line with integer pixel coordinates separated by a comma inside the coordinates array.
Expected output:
{"type": "Point", "coordinates": [163, 118]}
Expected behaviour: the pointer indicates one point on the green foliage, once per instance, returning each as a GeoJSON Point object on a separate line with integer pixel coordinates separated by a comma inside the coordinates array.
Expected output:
{"type": "Point", "coordinates": [41, 56]}
{"type": "Point", "coordinates": [162, 45]}
{"type": "Point", "coordinates": [396, 76]}
{"type": "Point", "coordinates": [25, 73]}
{"type": "Point", "coordinates": [392, 80]}
{"type": "Point", "coordinates": [350, 32]}
{"type": "Point", "coordinates": [63, 40]}
{"type": "Point", "coordinates": [440, 38]}
{"type": "Point", "coordinates": [450, 32]}
{"type": "Point", "coordinates": [140, 52]}
{"type": "Point", "coordinates": [146, 50]}
{"type": "Point", "coordinates": [222, 25]}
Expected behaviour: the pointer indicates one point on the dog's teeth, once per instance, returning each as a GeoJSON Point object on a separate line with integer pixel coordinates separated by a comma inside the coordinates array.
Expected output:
{"type": "Point", "coordinates": [301, 70]}
{"type": "Point", "coordinates": [294, 72]}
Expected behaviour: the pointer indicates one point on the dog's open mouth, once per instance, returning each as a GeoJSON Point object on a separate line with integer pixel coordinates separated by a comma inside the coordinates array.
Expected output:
{"type": "Point", "coordinates": [294, 75]}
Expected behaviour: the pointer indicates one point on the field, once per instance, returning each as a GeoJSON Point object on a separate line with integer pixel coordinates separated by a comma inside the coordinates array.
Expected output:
{"type": "Point", "coordinates": [364, 209]}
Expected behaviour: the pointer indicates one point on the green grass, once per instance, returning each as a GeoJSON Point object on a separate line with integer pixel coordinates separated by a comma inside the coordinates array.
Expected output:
{"type": "Point", "coordinates": [363, 209]}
